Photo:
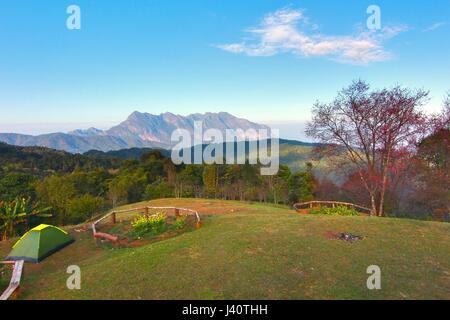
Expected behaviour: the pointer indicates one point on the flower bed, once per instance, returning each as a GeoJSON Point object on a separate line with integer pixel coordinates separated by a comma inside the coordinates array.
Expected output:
{"type": "Point", "coordinates": [144, 225]}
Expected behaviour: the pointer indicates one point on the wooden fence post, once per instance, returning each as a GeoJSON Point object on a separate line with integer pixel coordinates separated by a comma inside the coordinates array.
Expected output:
{"type": "Point", "coordinates": [113, 218]}
{"type": "Point", "coordinates": [146, 211]}
{"type": "Point", "coordinates": [177, 212]}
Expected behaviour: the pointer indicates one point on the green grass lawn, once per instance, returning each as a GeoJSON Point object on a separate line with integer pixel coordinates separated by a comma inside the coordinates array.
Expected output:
{"type": "Point", "coordinates": [254, 251]}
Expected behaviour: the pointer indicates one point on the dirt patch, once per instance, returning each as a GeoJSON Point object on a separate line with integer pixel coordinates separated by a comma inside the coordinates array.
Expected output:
{"type": "Point", "coordinates": [5, 247]}
{"type": "Point", "coordinates": [343, 236]}
{"type": "Point", "coordinates": [127, 243]}
{"type": "Point", "coordinates": [299, 272]}
{"type": "Point", "coordinates": [202, 207]}
{"type": "Point", "coordinates": [134, 244]}
{"type": "Point", "coordinates": [34, 266]}
{"type": "Point", "coordinates": [254, 251]}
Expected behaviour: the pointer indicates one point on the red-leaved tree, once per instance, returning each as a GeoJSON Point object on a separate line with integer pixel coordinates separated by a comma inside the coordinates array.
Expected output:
{"type": "Point", "coordinates": [369, 129]}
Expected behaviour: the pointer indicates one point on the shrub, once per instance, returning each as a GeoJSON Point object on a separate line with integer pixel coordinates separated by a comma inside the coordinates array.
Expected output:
{"type": "Point", "coordinates": [82, 208]}
{"type": "Point", "coordinates": [336, 211]}
{"type": "Point", "coordinates": [154, 224]}
{"type": "Point", "coordinates": [180, 222]}
{"type": "Point", "coordinates": [159, 190]}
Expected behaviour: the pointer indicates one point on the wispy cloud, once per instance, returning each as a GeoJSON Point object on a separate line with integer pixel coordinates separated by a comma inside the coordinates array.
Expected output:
{"type": "Point", "coordinates": [288, 30]}
{"type": "Point", "coordinates": [435, 26]}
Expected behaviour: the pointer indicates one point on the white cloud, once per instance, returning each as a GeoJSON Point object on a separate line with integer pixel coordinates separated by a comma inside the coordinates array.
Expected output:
{"type": "Point", "coordinates": [435, 26]}
{"type": "Point", "coordinates": [281, 32]}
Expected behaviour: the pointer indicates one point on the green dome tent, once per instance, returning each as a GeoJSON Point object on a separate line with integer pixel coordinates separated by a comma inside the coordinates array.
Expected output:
{"type": "Point", "coordinates": [39, 243]}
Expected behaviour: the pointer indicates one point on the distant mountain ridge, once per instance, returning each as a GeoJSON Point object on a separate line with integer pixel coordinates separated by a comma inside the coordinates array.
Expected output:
{"type": "Point", "coordinates": [139, 130]}
{"type": "Point", "coordinates": [287, 148]}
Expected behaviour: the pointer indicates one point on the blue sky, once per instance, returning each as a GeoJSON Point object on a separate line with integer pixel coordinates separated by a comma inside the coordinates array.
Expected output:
{"type": "Point", "coordinates": [265, 60]}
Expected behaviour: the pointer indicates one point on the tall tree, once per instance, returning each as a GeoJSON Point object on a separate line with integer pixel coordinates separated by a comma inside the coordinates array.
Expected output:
{"type": "Point", "coordinates": [210, 180]}
{"type": "Point", "coordinates": [56, 192]}
{"type": "Point", "coordinates": [445, 114]}
{"type": "Point", "coordinates": [434, 173]}
{"type": "Point", "coordinates": [192, 180]}
{"type": "Point", "coordinates": [301, 186]}
{"type": "Point", "coordinates": [371, 126]}
{"type": "Point", "coordinates": [278, 185]}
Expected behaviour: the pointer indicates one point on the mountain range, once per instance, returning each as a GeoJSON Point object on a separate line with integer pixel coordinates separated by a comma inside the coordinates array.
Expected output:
{"type": "Point", "coordinates": [139, 130]}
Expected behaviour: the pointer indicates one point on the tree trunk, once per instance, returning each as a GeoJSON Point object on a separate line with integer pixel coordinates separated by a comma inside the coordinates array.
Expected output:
{"type": "Point", "coordinates": [370, 191]}
{"type": "Point", "coordinates": [384, 183]}
{"type": "Point", "coordinates": [374, 205]}
{"type": "Point", "coordinates": [383, 191]}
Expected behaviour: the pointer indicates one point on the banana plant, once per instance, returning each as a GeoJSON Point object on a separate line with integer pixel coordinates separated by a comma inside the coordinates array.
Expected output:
{"type": "Point", "coordinates": [9, 214]}
{"type": "Point", "coordinates": [18, 211]}
{"type": "Point", "coordinates": [32, 209]}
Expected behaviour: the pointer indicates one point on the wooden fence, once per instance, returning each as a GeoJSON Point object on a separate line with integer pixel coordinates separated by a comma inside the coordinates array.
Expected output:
{"type": "Point", "coordinates": [141, 210]}
{"type": "Point", "coordinates": [312, 204]}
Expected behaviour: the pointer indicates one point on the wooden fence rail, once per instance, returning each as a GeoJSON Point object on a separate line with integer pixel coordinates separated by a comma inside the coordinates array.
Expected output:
{"type": "Point", "coordinates": [312, 204]}
{"type": "Point", "coordinates": [14, 284]}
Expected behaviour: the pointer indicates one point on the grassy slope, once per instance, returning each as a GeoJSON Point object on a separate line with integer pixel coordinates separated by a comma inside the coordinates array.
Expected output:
{"type": "Point", "coordinates": [252, 251]}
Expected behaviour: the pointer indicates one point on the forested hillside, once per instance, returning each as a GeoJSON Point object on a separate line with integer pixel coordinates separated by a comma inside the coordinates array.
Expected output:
{"type": "Point", "coordinates": [75, 187]}
{"type": "Point", "coordinates": [38, 160]}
